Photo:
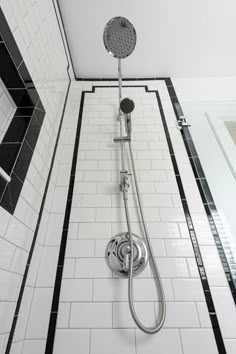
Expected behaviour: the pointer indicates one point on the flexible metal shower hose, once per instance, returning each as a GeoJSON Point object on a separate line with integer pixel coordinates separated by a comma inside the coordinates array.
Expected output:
{"type": "Point", "coordinates": [152, 260]}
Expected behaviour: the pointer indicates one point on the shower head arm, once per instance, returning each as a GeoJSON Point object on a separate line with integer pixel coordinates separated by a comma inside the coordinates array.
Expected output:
{"type": "Point", "coordinates": [120, 80]}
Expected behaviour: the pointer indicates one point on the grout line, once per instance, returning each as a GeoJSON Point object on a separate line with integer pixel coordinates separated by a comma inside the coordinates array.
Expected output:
{"type": "Point", "coordinates": [90, 338]}
{"type": "Point", "coordinates": [181, 342]}
{"type": "Point", "coordinates": [198, 315]}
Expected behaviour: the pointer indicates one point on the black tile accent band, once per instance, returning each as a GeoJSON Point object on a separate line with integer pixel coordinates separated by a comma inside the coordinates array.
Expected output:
{"type": "Point", "coordinates": [196, 249]}
{"type": "Point", "coordinates": [123, 79]}
{"type": "Point", "coordinates": [20, 139]}
{"type": "Point", "coordinates": [203, 187]}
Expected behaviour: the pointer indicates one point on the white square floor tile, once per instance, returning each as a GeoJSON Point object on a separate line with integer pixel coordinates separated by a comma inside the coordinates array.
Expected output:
{"type": "Point", "coordinates": [72, 341]}
{"type": "Point", "coordinates": [91, 315]}
{"type": "Point", "coordinates": [197, 341]}
{"type": "Point", "coordinates": [167, 341]}
{"type": "Point", "coordinates": [115, 341]}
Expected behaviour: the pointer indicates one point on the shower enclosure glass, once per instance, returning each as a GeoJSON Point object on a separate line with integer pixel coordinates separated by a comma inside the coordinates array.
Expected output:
{"type": "Point", "coordinates": [213, 130]}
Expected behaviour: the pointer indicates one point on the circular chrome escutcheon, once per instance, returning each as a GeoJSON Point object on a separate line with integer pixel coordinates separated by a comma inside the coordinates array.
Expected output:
{"type": "Point", "coordinates": [117, 250]}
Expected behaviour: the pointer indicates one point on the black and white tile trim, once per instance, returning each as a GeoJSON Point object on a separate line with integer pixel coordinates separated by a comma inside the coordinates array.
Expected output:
{"type": "Point", "coordinates": [19, 142]}
{"type": "Point", "coordinates": [197, 253]}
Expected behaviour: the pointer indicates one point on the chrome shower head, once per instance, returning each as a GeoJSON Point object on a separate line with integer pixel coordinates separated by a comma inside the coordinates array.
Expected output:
{"type": "Point", "coordinates": [119, 37]}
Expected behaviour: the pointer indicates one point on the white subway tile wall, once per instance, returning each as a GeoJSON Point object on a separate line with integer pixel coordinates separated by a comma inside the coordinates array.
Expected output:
{"type": "Point", "coordinates": [34, 27]}
{"type": "Point", "coordinates": [93, 301]}
{"type": "Point", "coordinates": [94, 315]}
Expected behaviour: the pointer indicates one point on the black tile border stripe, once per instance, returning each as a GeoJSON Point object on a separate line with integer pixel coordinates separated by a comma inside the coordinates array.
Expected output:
{"type": "Point", "coordinates": [123, 79]}
{"type": "Point", "coordinates": [203, 187]}
{"type": "Point", "coordinates": [196, 249]}
{"type": "Point", "coordinates": [15, 158]}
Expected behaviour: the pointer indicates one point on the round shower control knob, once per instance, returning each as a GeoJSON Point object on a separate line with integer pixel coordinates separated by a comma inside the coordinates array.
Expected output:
{"type": "Point", "coordinates": [117, 254]}
{"type": "Point", "coordinates": [127, 105]}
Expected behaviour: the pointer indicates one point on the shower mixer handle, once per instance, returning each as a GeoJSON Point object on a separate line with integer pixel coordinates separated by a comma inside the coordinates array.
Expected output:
{"type": "Point", "coordinates": [126, 259]}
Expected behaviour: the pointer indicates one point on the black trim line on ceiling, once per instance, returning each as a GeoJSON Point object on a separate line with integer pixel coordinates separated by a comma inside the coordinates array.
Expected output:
{"type": "Point", "coordinates": [196, 249]}
{"type": "Point", "coordinates": [123, 79]}
{"type": "Point", "coordinates": [203, 187]}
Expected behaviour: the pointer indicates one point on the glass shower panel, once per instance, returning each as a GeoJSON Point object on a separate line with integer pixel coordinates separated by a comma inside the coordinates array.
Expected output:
{"type": "Point", "coordinates": [213, 130]}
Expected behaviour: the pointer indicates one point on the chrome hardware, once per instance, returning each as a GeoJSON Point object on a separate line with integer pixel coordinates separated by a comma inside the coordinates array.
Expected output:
{"type": "Point", "coordinates": [124, 181]}
{"type": "Point", "coordinates": [123, 139]}
{"type": "Point", "coordinates": [118, 254]}
{"type": "Point", "coordinates": [182, 122]}
{"type": "Point", "coordinates": [126, 259]}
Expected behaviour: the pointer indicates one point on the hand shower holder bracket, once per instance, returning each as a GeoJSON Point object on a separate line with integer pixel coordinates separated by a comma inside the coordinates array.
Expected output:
{"type": "Point", "coordinates": [182, 122]}
{"type": "Point", "coordinates": [123, 139]}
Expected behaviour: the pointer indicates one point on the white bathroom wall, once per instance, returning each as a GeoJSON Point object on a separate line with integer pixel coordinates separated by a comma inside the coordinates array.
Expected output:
{"type": "Point", "coordinates": [93, 315]}
{"type": "Point", "coordinates": [37, 35]}
{"type": "Point", "coordinates": [202, 89]}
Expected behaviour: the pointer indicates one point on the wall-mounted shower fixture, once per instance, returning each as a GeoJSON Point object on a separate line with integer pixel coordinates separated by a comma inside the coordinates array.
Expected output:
{"type": "Point", "coordinates": [127, 254]}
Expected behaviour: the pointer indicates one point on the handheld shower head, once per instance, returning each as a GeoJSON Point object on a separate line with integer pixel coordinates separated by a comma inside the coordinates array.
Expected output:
{"type": "Point", "coordinates": [119, 37]}
{"type": "Point", "coordinates": [127, 106]}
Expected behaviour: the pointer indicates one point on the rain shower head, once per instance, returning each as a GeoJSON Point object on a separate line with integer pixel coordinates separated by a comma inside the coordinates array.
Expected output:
{"type": "Point", "coordinates": [119, 37]}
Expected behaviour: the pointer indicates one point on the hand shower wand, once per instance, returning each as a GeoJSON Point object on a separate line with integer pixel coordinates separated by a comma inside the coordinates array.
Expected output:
{"type": "Point", "coordinates": [126, 253]}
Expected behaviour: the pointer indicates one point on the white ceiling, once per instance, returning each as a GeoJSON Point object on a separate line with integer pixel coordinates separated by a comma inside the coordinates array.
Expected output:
{"type": "Point", "coordinates": [180, 38]}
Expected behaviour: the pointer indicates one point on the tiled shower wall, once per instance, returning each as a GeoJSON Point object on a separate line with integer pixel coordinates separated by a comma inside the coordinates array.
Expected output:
{"type": "Point", "coordinates": [93, 314]}
{"type": "Point", "coordinates": [37, 35]}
